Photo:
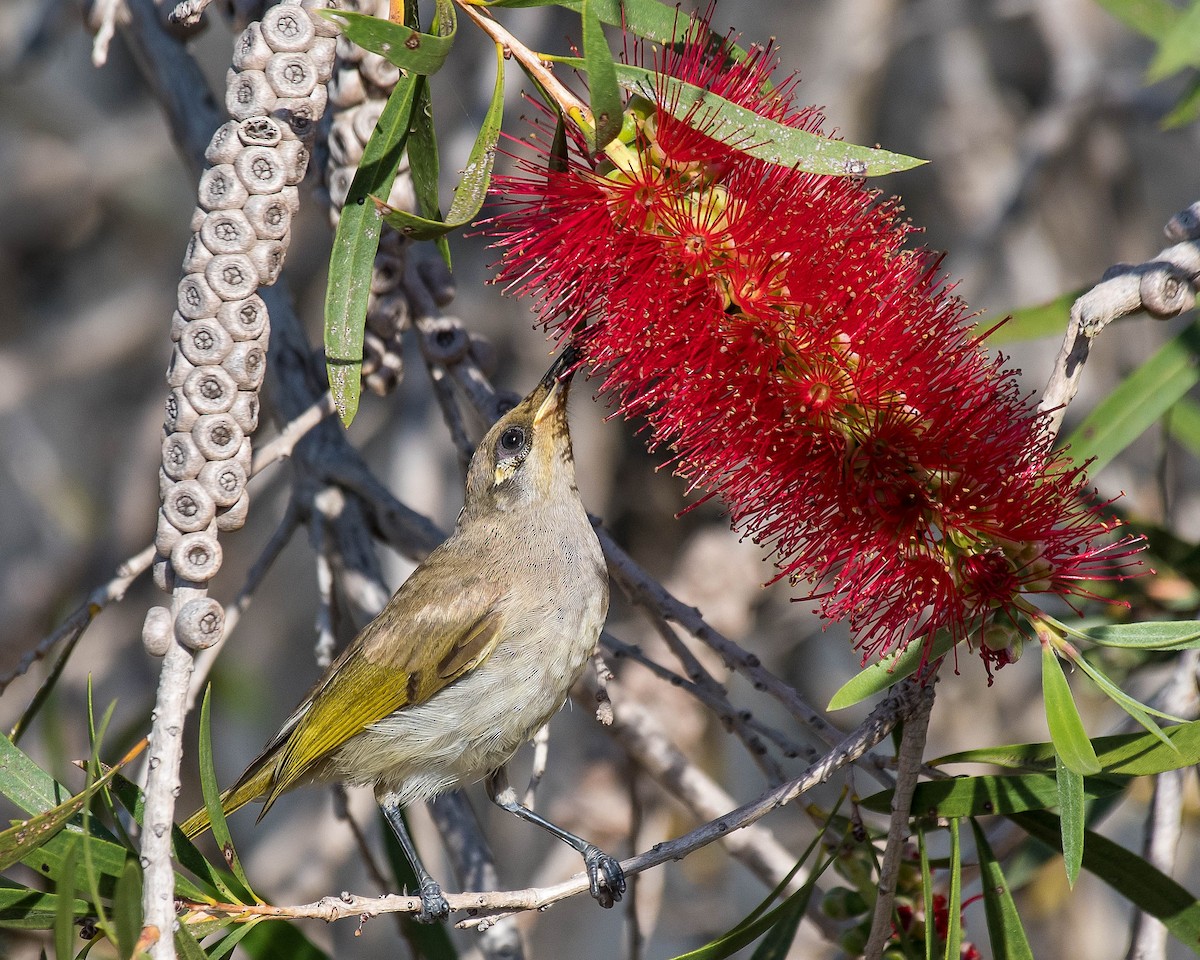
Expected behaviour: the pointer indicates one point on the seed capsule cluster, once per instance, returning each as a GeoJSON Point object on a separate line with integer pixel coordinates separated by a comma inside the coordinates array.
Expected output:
{"type": "Point", "coordinates": [247, 196]}
{"type": "Point", "coordinates": [358, 91]}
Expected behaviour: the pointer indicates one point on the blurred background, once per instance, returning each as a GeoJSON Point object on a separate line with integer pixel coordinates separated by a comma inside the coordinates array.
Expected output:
{"type": "Point", "coordinates": [1048, 163]}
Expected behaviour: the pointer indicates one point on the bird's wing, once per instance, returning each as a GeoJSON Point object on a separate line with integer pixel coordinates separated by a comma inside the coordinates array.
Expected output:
{"type": "Point", "coordinates": [413, 649]}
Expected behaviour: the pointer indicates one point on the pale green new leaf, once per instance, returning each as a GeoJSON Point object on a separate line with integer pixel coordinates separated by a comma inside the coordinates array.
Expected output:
{"type": "Point", "coordinates": [1066, 728]}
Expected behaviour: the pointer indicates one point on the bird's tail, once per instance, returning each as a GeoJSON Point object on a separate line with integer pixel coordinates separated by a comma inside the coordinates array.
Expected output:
{"type": "Point", "coordinates": [254, 783]}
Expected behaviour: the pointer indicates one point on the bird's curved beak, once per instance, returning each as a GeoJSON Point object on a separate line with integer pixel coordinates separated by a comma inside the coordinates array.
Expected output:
{"type": "Point", "coordinates": [557, 382]}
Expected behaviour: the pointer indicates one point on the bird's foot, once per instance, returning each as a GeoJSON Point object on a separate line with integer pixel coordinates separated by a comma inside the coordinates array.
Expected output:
{"type": "Point", "coordinates": [434, 907]}
{"type": "Point", "coordinates": [605, 875]}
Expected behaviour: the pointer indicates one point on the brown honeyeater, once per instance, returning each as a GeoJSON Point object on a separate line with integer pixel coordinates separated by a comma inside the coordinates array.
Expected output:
{"type": "Point", "coordinates": [474, 653]}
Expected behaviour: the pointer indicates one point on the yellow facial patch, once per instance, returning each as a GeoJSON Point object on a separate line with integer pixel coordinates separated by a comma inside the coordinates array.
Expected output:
{"type": "Point", "coordinates": [504, 471]}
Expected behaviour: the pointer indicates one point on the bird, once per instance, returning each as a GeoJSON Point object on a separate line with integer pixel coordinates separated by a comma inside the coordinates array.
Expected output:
{"type": "Point", "coordinates": [472, 655]}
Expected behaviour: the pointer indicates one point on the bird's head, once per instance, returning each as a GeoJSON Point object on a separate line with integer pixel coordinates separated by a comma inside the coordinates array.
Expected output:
{"type": "Point", "coordinates": [526, 455]}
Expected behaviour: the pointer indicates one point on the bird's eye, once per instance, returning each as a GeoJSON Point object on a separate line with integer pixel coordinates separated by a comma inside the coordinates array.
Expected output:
{"type": "Point", "coordinates": [512, 440]}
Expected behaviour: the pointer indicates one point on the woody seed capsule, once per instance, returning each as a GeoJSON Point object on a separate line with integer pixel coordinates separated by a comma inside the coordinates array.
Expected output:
{"type": "Point", "coordinates": [188, 507]}
{"type": "Point", "coordinates": [196, 255]}
{"type": "Point", "coordinates": [209, 389]}
{"type": "Point", "coordinates": [227, 231]}
{"type": "Point", "coordinates": [157, 631]}
{"type": "Point", "coordinates": [223, 147]}
{"type": "Point", "coordinates": [196, 557]}
{"type": "Point", "coordinates": [291, 74]}
{"type": "Point", "coordinates": [181, 457]}
{"type": "Point", "coordinates": [195, 298]}
{"type": "Point", "coordinates": [204, 341]}
{"type": "Point", "coordinates": [179, 369]}
{"type": "Point", "coordinates": [220, 188]}
{"type": "Point", "coordinates": [246, 364]}
{"type": "Point", "coordinates": [383, 73]}
{"type": "Point", "coordinates": [224, 481]}
{"type": "Point", "coordinates": [234, 518]}
{"type": "Point", "coordinates": [250, 50]}
{"type": "Point", "coordinates": [268, 216]}
{"type": "Point", "coordinates": [248, 94]}
{"type": "Point", "coordinates": [287, 28]}
{"type": "Point", "coordinates": [267, 257]}
{"type": "Point", "coordinates": [166, 534]}
{"type": "Point", "coordinates": [163, 574]}
{"type": "Point", "coordinates": [259, 132]}
{"type": "Point", "coordinates": [217, 437]}
{"type": "Point", "coordinates": [244, 319]}
{"type": "Point", "coordinates": [300, 114]}
{"type": "Point", "coordinates": [245, 410]}
{"type": "Point", "coordinates": [260, 170]}
{"type": "Point", "coordinates": [232, 277]}
{"type": "Point", "coordinates": [346, 89]}
{"type": "Point", "coordinates": [179, 415]}
{"type": "Point", "coordinates": [200, 623]}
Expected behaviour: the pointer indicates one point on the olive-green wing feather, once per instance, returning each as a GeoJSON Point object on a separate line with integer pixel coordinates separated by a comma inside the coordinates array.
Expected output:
{"type": "Point", "coordinates": [412, 650]}
{"type": "Point", "coordinates": [415, 647]}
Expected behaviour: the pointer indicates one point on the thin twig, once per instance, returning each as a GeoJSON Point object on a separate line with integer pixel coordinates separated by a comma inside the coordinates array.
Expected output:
{"type": "Point", "coordinates": [541, 756]}
{"type": "Point", "coordinates": [912, 750]}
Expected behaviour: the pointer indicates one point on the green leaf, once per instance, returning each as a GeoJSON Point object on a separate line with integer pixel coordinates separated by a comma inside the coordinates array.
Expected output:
{"type": "Point", "coordinates": [1005, 930]}
{"type": "Point", "coordinates": [354, 246]}
{"type": "Point", "coordinates": [20, 841]}
{"type": "Point", "coordinates": [987, 795]}
{"type": "Point", "coordinates": [1143, 885]}
{"type": "Point", "coordinates": [407, 48]}
{"type": "Point", "coordinates": [127, 909]}
{"type": "Point", "coordinates": [926, 892]}
{"type": "Point", "coordinates": [1139, 711]}
{"type": "Point", "coordinates": [649, 19]}
{"type": "Point", "coordinates": [1178, 48]}
{"type": "Point", "coordinates": [64, 921]}
{"type": "Point", "coordinates": [1032, 323]}
{"type": "Point", "coordinates": [889, 671]}
{"type": "Point", "coordinates": [1132, 754]}
{"type": "Point", "coordinates": [954, 906]}
{"type": "Point", "coordinates": [424, 165]}
{"type": "Point", "coordinates": [1071, 813]}
{"type": "Point", "coordinates": [746, 933]}
{"type": "Point", "coordinates": [472, 189]}
{"type": "Point", "coordinates": [1151, 18]}
{"type": "Point", "coordinates": [1161, 635]}
{"type": "Point", "coordinates": [22, 908]}
{"type": "Point", "coordinates": [755, 135]}
{"type": "Point", "coordinates": [1183, 421]}
{"type": "Point", "coordinates": [186, 945]}
{"type": "Point", "coordinates": [1137, 402]}
{"type": "Point", "coordinates": [777, 942]}
{"type": "Point", "coordinates": [212, 803]}
{"type": "Point", "coordinates": [1066, 729]}
{"type": "Point", "coordinates": [603, 93]}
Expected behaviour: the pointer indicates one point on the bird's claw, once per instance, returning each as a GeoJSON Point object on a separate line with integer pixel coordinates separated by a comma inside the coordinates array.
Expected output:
{"type": "Point", "coordinates": [605, 875]}
{"type": "Point", "coordinates": [434, 907]}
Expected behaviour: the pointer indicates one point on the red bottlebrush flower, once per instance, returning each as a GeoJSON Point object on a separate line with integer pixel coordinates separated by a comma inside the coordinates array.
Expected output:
{"type": "Point", "coordinates": [798, 361]}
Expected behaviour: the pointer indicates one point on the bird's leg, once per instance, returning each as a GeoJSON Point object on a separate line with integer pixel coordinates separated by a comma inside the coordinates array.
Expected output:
{"type": "Point", "coordinates": [433, 904]}
{"type": "Point", "coordinates": [604, 872]}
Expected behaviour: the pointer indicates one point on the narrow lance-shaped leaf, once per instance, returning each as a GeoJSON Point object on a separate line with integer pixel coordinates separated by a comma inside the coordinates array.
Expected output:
{"type": "Point", "coordinates": [987, 795]}
{"type": "Point", "coordinates": [954, 906]}
{"type": "Point", "coordinates": [1005, 930]}
{"type": "Point", "coordinates": [890, 670]}
{"type": "Point", "coordinates": [476, 176]}
{"type": "Point", "coordinates": [1158, 635]}
{"type": "Point", "coordinates": [603, 92]}
{"type": "Point", "coordinates": [1146, 887]}
{"type": "Point", "coordinates": [399, 44]}
{"type": "Point", "coordinates": [18, 842]}
{"type": "Point", "coordinates": [212, 801]}
{"type": "Point", "coordinates": [1071, 815]}
{"type": "Point", "coordinates": [1138, 401]}
{"type": "Point", "coordinates": [1132, 754]}
{"type": "Point", "coordinates": [757, 136]}
{"type": "Point", "coordinates": [1066, 729]}
{"type": "Point", "coordinates": [354, 247]}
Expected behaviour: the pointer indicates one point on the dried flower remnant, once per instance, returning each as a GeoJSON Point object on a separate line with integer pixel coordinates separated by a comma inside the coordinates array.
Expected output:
{"type": "Point", "coordinates": [800, 363]}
